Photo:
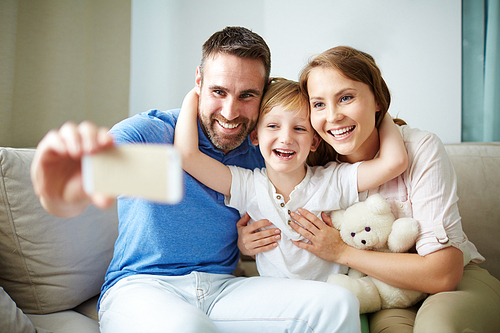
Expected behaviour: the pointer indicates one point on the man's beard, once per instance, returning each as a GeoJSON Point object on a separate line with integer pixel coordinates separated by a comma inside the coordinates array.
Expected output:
{"type": "Point", "coordinates": [226, 142]}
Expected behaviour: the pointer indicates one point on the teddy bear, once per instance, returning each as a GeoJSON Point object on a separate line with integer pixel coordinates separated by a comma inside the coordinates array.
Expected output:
{"type": "Point", "coordinates": [370, 225]}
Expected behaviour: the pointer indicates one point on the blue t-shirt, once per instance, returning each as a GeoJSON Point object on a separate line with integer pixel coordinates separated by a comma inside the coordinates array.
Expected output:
{"type": "Point", "coordinates": [198, 234]}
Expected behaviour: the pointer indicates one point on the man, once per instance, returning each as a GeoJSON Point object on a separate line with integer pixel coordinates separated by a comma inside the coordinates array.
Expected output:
{"type": "Point", "coordinates": [172, 265]}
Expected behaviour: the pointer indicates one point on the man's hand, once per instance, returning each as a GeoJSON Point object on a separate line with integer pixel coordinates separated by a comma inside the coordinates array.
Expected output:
{"type": "Point", "coordinates": [252, 240]}
{"type": "Point", "coordinates": [56, 168]}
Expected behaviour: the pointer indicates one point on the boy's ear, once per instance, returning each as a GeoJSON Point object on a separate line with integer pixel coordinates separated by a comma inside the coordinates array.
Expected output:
{"type": "Point", "coordinates": [253, 137]}
{"type": "Point", "coordinates": [197, 81]}
{"type": "Point", "coordinates": [315, 142]}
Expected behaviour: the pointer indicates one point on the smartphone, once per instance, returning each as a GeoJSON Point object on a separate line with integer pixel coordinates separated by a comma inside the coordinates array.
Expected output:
{"type": "Point", "coordinates": [150, 171]}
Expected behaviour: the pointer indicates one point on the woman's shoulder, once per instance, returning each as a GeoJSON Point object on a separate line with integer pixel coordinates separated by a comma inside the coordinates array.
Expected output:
{"type": "Point", "coordinates": [415, 137]}
{"type": "Point", "coordinates": [421, 143]}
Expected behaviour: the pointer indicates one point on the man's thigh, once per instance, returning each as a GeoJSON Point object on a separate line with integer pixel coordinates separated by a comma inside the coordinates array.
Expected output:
{"type": "Point", "coordinates": [262, 304]}
{"type": "Point", "coordinates": [145, 303]}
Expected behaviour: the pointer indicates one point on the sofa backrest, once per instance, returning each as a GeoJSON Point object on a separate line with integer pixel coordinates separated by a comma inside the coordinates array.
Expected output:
{"type": "Point", "coordinates": [48, 264]}
{"type": "Point", "coordinates": [478, 171]}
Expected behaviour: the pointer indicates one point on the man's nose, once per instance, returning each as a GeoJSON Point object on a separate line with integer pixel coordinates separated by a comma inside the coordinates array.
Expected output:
{"type": "Point", "coordinates": [230, 109]}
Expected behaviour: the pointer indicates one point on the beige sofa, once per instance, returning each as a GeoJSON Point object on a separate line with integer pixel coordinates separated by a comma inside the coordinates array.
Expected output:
{"type": "Point", "coordinates": [53, 268]}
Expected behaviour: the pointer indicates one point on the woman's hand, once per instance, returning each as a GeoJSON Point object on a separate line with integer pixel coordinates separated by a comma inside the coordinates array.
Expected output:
{"type": "Point", "coordinates": [326, 242]}
{"type": "Point", "coordinates": [252, 240]}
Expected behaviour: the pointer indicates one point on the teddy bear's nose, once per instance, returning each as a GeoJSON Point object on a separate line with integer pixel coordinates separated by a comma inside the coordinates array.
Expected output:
{"type": "Point", "coordinates": [363, 241]}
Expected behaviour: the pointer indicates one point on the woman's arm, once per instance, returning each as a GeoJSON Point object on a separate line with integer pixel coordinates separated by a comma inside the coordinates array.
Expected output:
{"type": "Point", "coordinates": [205, 169]}
{"type": "Point", "coordinates": [392, 160]}
{"type": "Point", "coordinates": [431, 187]}
{"type": "Point", "coordinates": [433, 273]}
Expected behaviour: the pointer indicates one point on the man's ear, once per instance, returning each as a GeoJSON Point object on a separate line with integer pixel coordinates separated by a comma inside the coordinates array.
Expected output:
{"type": "Point", "coordinates": [315, 142]}
{"type": "Point", "coordinates": [197, 81]}
{"type": "Point", "coordinates": [253, 137]}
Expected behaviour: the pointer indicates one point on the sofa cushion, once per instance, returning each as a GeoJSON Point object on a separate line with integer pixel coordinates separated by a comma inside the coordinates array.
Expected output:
{"type": "Point", "coordinates": [478, 171]}
{"type": "Point", "coordinates": [48, 264]}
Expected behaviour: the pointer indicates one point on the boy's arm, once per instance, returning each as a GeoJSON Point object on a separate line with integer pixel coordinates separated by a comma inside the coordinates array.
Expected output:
{"type": "Point", "coordinates": [392, 160]}
{"type": "Point", "coordinates": [205, 169]}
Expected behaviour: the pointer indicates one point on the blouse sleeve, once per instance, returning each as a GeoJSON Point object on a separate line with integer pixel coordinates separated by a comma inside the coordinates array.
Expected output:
{"type": "Point", "coordinates": [432, 190]}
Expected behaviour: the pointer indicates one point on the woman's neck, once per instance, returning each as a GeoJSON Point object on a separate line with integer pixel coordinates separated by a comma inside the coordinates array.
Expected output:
{"type": "Point", "coordinates": [367, 151]}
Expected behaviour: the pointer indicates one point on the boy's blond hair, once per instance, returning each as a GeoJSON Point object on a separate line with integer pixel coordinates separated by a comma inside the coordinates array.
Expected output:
{"type": "Point", "coordinates": [285, 93]}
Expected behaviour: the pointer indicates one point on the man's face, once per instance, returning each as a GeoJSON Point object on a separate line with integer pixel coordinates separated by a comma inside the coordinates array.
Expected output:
{"type": "Point", "coordinates": [230, 93]}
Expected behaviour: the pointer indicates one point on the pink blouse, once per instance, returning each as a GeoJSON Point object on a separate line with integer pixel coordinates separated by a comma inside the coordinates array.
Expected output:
{"type": "Point", "coordinates": [427, 191]}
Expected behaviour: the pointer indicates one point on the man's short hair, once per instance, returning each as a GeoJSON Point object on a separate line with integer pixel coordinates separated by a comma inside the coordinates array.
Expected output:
{"type": "Point", "coordinates": [240, 42]}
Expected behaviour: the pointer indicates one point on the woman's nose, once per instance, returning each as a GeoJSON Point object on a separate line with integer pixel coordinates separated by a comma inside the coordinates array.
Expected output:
{"type": "Point", "coordinates": [333, 115]}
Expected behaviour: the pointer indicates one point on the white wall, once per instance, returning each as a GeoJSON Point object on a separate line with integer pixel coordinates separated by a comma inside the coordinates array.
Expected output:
{"type": "Point", "coordinates": [417, 45]}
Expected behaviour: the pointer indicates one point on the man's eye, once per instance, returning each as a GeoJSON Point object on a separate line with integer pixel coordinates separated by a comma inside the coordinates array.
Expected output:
{"type": "Point", "coordinates": [219, 92]}
{"type": "Point", "coordinates": [246, 96]}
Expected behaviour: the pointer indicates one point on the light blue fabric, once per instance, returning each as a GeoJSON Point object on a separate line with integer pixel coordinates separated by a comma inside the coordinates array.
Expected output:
{"type": "Point", "coordinates": [198, 234]}
{"type": "Point", "coordinates": [481, 70]}
{"type": "Point", "coordinates": [203, 302]}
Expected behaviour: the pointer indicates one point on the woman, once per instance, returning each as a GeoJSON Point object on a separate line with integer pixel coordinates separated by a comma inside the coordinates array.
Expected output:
{"type": "Point", "coordinates": [348, 98]}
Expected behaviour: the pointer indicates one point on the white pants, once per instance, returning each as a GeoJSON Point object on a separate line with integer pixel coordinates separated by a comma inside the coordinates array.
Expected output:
{"type": "Point", "coordinates": [202, 302]}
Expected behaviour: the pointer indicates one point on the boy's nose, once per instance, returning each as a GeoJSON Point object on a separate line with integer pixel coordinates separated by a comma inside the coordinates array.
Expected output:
{"type": "Point", "coordinates": [285, 137]}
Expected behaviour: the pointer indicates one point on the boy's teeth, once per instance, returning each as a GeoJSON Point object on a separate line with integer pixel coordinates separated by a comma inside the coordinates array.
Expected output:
{"type": "Point", "coordinates": [342, 131]}
{"type": "Point", "coordinates": [283, 153]}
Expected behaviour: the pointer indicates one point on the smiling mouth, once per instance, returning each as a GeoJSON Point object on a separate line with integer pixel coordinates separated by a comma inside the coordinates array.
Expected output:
{"type": "Point", "coordinates": [228, 125]}
{"type": "Point", "coordinates": [284, 153]}
{"type": "Point", "coordinates": [343, 132]}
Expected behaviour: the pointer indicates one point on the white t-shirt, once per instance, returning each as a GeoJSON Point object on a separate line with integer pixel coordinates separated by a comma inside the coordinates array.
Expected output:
{"type": "Point", "coordinates": [323, 189]}
{"type": "Point", "coordinates": [427, 191]}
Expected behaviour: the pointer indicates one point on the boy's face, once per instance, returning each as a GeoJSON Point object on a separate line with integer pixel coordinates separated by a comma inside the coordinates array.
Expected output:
{"type": "Point", "coordinates": [230, 93]}
{"type": "Point", "coordinates": [285, 138]}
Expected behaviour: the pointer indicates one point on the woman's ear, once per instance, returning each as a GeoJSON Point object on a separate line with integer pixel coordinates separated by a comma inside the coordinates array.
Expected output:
{"type": "Point", "coordinates": [197, 80]}
{"type": "Point", "coordinates": [315, 142]}
{"type": "Point", "coordinates": [253, 137]}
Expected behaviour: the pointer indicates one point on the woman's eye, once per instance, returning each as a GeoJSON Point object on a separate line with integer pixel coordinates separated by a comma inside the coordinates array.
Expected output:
{"type": "Point", "coordinates": [318, 105]}
{"type": "Point", "coordinates": [345, 98]}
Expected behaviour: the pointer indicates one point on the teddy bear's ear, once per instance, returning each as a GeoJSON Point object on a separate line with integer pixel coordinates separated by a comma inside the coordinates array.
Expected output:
{"type": "Point", "coordinates": [377, 204]}
{"type": "Point", "coordinates": [337, 217]}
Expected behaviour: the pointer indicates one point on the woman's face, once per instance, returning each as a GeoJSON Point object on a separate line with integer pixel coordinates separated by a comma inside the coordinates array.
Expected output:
{"type": "Point", "coordinates": [343, 113]}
